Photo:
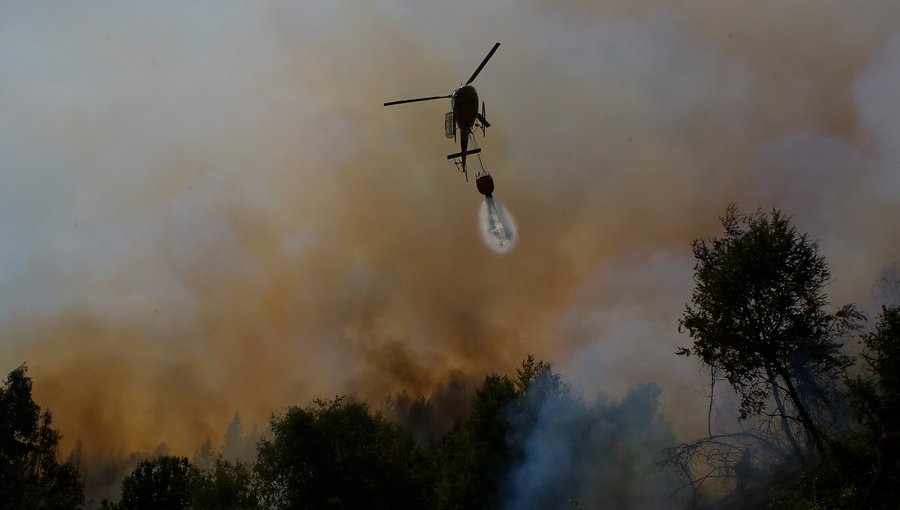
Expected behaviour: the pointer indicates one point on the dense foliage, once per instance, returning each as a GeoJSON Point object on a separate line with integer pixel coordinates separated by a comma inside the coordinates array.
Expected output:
{"type": "Point", "coordinates": [758, 315]}
{"type": "Point", "coordinates": [862, 469]}
{"type": "Point", "coordinates": [163, 482]}
{"type": "Point", "coordinates": [31, 476]}
{"type": "Point", "coordinates": [337, 454]}
{"type": "Point", "coordinates": [475, 456]}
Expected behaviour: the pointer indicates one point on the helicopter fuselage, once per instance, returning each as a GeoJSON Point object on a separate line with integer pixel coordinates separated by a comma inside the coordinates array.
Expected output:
{"type": "Point", "coordinates": [464, 103]}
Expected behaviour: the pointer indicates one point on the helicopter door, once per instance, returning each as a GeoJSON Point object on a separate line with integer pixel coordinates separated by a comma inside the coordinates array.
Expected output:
{"type": "Point", "coordinates": [449, 125]}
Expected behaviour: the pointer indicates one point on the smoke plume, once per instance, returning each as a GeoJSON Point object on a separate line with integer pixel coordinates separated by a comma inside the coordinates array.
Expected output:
{"type": "Point", "coordinates": [587, 455]}
{"type": "Point", "coordinates": [206, 208]}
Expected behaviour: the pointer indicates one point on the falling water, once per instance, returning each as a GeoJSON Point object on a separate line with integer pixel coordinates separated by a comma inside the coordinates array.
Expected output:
{"type": "Point", "coordinates": [498, 229]}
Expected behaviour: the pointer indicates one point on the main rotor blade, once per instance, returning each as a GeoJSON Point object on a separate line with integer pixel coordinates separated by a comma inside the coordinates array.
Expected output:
{"type": "Point", "coordinates": [402, 101]}
{"type": "Point", "coordinates": [483, 62]}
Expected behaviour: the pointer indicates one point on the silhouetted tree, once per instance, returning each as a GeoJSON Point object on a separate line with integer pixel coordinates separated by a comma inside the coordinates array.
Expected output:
{"type": "Point", "coordinates": [227, 486]}
{"type": "Point", "coordinates": [205, 456]}
{"type": "Point", "coordinates": [530, 370]}
{"type": "Point", "coordinates": [862, 469]}
{"type": "Point", "coordinates": [757, 316]}
{"type": "Point", "coordinates": [173, 482]}
{"type": "Point", "coordinates": [31, 476]}
{"type": "Point", "coordinates": [336, 454]}
{"type": "Point", "coordinates": [877, 396]}
{"type": "Point", "coordinates": [475, 456]}
{"type": "Point", "coordinates": [162, 482]}
{"type": "Point", "coordinates": [238, 445]}
{"type": "Point", "coordinates": [430, 419]}
{"type": "Point", "coordinates": [877, 399]}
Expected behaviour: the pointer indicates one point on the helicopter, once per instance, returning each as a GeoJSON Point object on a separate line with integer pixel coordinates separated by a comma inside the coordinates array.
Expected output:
{"type": "Point", "coordinates": [463, 115]}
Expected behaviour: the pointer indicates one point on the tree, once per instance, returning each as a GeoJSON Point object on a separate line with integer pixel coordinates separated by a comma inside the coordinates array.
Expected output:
{"type": "Point", "coordinates": [862, 469]}
{"type": "Point", "coordinates": [336, 454]}
{"type": "Point", "coordinates": [877, 398]}
{"type": "Point", "coordinates": [237, 445]}
{"type": "Point", "coordinates": [174, 483]}
{"type": "Point", "coordinates": [162, 482]}
{"type": "Point", "coordinates": [475, 456]}
{"type": "Point", "coordinates": [228, 485]}
{"type": "Point", "coordinates": [31, 475]}
{"type": "Point", "coordinates": [531, 370]}
{"type": "Point", "coordinates": [757, 315]}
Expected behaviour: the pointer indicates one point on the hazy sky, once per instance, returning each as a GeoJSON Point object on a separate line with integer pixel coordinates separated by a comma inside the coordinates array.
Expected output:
{"type": "Point", "coordinates": [205, 208]}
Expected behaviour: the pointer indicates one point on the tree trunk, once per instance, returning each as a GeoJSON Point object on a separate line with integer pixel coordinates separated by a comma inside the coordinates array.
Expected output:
{"type": "Point", "coordinates": [785, 424]}
{"type": "Point", "coordinates": [805, 418]}
{"type": "Point", "coordinates": [712, 394]}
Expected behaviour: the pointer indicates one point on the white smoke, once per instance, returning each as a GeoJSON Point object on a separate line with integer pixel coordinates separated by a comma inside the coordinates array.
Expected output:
{"type": "Point", "coordinates": [599, 454]}
{"type": "Point", "coordinates": [498, 229]}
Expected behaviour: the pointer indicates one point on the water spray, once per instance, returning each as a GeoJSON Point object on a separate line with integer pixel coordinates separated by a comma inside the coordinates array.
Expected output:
{"type": "Point", "coordinates": [497, 226]}
{"type": "Point", "coordinates": [498, 229]}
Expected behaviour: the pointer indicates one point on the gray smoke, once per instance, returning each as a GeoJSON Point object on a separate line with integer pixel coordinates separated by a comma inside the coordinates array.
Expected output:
{"type": "Point", "coordinates": [205, 207]}
{"type": "Point", "coordinates": [578, 454]}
